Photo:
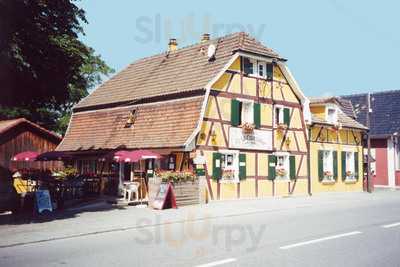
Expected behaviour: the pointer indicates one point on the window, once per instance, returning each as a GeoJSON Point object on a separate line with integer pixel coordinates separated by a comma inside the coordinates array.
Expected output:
{"type": "Point", "coordinates": [328, 165]}
{"type": "Point", "coordinates": [230, 165]}
{"type": "Point", "coordinates": [257, 68]}
{"type": "Point", "coordinates": [282, 167]}
{"type": "Point", "coordinates": [244, 111]}
{"type": "Point", "coordinates": [331, 114]}
{"type": "Point", "coordinates": [282, 115]}
{"type": "Point", "coordinates": [261, 69]}
{"type": "Point", "coordinates": [278, 115]}
{"type": "Point", "coordinates": [247, 112]}
{"type": "Point", "coordinates": [350, 166]}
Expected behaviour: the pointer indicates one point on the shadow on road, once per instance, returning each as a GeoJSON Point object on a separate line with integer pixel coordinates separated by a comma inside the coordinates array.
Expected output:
{"type": "Point", "coordinates": [30, 218]}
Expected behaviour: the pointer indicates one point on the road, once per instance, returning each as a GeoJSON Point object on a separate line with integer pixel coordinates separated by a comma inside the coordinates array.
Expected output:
{"type": "Point", "coordinates": [357, 231]}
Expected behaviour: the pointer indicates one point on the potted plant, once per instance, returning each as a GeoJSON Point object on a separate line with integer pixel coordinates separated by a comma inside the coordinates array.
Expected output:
{"type": "Point", "coordinates": [281, 172]}
{"type": "Point", "coordinates": [247, 128]}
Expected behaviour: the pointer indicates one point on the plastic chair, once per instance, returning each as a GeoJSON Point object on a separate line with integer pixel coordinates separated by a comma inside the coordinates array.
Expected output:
{"type": "Point", "coordinates": [129, 190]}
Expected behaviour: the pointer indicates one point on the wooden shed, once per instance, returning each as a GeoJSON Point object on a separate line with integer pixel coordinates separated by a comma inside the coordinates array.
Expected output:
{"type": "Point", "coordinates": [20, 135]}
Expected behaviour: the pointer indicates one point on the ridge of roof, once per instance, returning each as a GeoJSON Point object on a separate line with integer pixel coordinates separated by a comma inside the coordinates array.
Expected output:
{"type": "Point", "coordinates": [6, 125]}
{"type": "Point", "coordinates": [185, 69]}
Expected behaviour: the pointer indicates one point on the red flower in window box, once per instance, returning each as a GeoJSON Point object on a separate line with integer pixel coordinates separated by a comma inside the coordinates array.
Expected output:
{"type": "Point", "coordinates": [247, 128]}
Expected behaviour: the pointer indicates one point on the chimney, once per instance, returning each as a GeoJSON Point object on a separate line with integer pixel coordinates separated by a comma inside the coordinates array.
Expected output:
{"type": "Point", "coordinates": [205, 38]}
{"type": "Point", "coordinates": [172, 45]}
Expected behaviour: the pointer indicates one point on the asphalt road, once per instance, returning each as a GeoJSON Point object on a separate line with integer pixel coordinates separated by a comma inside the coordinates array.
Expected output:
{"type": "Point", "coordinates": [357, 233]}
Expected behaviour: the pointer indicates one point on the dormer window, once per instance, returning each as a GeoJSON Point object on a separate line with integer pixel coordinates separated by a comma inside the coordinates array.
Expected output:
{"type": "Point", "coordinates": [257, 68]}
{"type": "Point", "coordinates": [331, 114]}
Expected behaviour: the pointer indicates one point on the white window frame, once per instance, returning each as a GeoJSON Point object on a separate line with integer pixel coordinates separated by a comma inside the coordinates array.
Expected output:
{"type": "Point", "coordinates": [281, 118]}
{"type": "Point", "coordinates": [286, 165]}
{"type": "Point", "coordinates": [350, 165]}
{"type": "Point", "coordinates": [234, 167]}
{"type": "Point", "coordinates": [334, 119]}
{"type": "Point", "coordinates": [328, 165]}
{"type": "Point", "coordinates": [247, 114]}
{"type": "Point", "coordinates": [263, 64]}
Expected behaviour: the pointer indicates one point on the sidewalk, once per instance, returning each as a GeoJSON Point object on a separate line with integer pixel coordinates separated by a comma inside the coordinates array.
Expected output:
{"type": "Point", "coordinates": [102, 217]}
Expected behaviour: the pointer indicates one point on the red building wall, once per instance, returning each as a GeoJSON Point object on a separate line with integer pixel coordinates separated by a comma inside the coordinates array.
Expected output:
{"type": "Point", "coordinates": [381, 175]}
{"type": "Point", "coordinates": [397, 178]}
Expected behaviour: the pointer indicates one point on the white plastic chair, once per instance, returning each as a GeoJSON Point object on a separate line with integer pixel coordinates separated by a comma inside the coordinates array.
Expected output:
{"type": "Point", "coordinates": [129, 190]}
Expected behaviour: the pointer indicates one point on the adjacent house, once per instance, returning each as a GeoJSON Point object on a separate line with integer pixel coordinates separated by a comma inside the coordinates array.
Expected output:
{"type": "Point", "coordinates": [21, 135]}
{"type": "Point", "coordinates": [384, 132]}
{"type": "Point", "coordinates": [227, 107]}
{"type": "Point", "coordinates": [336, 146]}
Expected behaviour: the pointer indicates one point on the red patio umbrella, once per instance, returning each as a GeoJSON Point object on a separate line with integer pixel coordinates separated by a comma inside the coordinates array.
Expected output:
{"type": "Point", "coordinates": [25, 156]}
{"type": "Point", "coordinates": [135, 156]}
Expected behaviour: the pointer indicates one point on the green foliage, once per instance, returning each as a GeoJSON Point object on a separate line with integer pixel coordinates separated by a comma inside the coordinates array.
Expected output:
{"type": "Point", "coordinates": [44, 68]}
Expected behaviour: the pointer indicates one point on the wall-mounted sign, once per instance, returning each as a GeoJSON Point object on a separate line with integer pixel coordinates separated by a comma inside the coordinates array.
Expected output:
{"type": "Point", "coordinates": [259, 139]}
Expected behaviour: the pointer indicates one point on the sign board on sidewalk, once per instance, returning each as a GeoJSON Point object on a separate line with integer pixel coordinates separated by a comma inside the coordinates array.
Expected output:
{"type": "Point", "coordinates": [165, 198]}
{"type": "Point", "coordinates": [43, 201]}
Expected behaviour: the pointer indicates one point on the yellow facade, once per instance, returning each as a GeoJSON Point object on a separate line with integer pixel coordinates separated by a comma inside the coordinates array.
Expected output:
{"type": "Point", "coordinates": [214, 133]}
{"type": "Point", "coordinates": [339, 185]}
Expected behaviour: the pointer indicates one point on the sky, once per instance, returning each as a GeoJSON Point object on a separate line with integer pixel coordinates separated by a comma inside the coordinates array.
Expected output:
{"type": "Point", "coordinates": [333, 47]}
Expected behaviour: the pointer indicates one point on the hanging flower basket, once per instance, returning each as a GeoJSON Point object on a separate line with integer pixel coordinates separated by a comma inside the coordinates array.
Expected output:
{"type": "Point", "coordinates": [247, 128]}
{"type": "Point", "coordinates": [349, 173]}
{"type": "Point", "coordinates": [228, 175]}
{"type": "Point", "coordinates": [281, 172]}
{"type": "Point", "coordinates": [328, 174]}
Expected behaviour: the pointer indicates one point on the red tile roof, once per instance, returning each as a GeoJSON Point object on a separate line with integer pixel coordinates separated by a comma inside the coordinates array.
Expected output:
{"type": "Point", "coordinates": [157, 125]}
{"type": "Point", "coordinates": [186, 69]}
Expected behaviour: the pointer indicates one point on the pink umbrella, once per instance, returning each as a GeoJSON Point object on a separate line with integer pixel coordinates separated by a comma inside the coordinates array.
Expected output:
{"type": "Point", "coordinates": [25, 156]}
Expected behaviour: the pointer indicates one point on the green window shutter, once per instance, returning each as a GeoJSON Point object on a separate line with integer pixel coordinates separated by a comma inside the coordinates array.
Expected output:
{"type": "Point", "coordinates": [335, 165]}
{"type": "Point", "coordinates": [217, 171]}
{"type": "Point", "coordinates": [356, 170]}
{"type": "Point", "coordinates": [271, 167]}
{"type": "Point", "coordinates": [235, 112]}
{"type": "Point", "coordinates": [270, 71]}
{"type": "Point", "coordinates": [242, 166]}
{"type": "Point", "coordinates": [286, 116]}
{"type": "Point", "coordinates": [292, 160]}
{"type": "Point", "coordinates": [257, 115]}
{"type": "Point", "coordinates": [247, 66]}
{"type": "Point", "coordinates": [320, 165]}
{"type": "Point", "coordinates": [344, 165]}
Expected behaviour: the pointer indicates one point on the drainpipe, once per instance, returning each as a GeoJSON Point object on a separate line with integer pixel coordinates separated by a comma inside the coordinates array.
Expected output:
{"type": "Point", "coordinates": [308, 161]}
{"type": "Point", "coordinates": [368, 144]}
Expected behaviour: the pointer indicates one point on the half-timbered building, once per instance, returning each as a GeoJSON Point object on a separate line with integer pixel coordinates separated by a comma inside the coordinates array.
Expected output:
{"type": "Point", "coordinates": [228, 108]}
{"type": "Point", "coordinates": [336, 146]}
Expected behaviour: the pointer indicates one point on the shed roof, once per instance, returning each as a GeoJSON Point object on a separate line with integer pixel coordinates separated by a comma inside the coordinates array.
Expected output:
{"type": "Point", "coordinates": [157, 125]}
{"type": "Point", "coordinates": [7, 125]}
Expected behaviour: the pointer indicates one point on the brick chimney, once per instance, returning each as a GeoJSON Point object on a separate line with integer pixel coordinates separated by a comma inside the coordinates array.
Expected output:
{"type": "Point", "coordinates": [172, 45]}
{"type": "Point", "coordinates": [205, 38]}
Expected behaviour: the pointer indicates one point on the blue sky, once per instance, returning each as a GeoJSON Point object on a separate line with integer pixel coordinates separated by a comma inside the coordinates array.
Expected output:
{"type": "Point", "coordinates": [333, 47]}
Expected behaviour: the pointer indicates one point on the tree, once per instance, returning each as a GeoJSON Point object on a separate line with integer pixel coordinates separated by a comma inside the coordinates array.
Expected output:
{"type": "Point", "coordinates": [44, 68]}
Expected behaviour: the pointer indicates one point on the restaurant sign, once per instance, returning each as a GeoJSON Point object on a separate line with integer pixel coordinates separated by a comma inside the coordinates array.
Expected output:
{"type": "Point", "coordinates": [258, 139]}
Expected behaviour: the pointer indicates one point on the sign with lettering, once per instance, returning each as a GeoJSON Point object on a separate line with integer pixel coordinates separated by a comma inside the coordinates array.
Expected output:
{"type": "Point", "coordinates": [43, 201]}
{"type": "Point", "coordinates": [259, 139]}
{"type": "Point", "coordinates": [165, 198]}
